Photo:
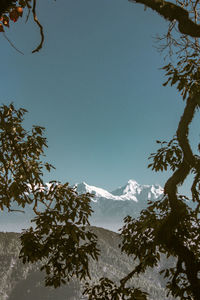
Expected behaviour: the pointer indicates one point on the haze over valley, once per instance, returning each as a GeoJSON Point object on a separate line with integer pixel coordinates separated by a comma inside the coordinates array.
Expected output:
{"type": "Point", "coordinates": [109, 207]}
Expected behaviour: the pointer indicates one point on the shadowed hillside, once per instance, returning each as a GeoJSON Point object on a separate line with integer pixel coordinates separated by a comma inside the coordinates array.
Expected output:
{"type": "Point", "coordinates": [22, 282]}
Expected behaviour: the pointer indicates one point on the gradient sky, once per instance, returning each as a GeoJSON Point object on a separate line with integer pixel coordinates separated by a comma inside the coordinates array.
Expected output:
{"type": "Point", "coordinates": [96, 87]}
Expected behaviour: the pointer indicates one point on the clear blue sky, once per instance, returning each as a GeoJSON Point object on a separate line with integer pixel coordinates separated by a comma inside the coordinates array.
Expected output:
{"type": "Point", "coordinates": [96, 87]}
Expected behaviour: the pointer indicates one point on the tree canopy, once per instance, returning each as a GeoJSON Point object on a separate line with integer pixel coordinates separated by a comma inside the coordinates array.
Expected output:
{"type": "Point", "coordinates": [61, 238]}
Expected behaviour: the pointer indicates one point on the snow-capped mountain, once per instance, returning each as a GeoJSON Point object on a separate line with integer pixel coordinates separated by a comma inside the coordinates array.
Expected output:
{"type": "Point", "coordinates": [131, 191]}
{"type": "Point", "coordinates": [109, 207]}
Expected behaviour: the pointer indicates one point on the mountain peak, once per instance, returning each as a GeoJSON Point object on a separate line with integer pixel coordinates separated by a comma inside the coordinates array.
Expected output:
{"type": "Point", "coordinates": [132, 187]}
{"type": "Point", "coordinates": [132, 182]}
{"type": "Point", "coordinates": [130, 191]}
{"type": "Point", "coordinates": [98, 192]}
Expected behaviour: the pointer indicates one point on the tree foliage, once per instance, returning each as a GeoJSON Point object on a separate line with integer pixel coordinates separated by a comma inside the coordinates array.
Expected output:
{"type": "Point", "coordinates": [60, 238]}
{"type": "Point", "coordinates": [169, 225]}
{"type": "Point", "coordinates": [107, 290]}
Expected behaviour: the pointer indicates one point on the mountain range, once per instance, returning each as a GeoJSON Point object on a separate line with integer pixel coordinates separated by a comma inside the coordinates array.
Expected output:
{"type": "Point", "coordinates": [22, 282]}
{"type": "Point", "coordinates": [109, 207]}
{"type": "Point", "coordinates": [26, 282]}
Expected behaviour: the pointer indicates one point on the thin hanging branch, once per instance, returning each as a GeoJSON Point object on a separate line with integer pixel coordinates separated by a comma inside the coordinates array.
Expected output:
{"type": "Point", "coordinates": [40, 26]}
{"type": "Point", "coordinates": [12, 45]}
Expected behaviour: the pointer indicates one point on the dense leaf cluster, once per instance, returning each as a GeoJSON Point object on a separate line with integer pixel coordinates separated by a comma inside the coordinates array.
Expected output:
{"type": "Point", "coordinates": [60, 237]}
{"type": "Point", "coordinates": [186, 75]}
{"type": "Point", "coordinates": [20, 164]}
{"type": "Point", "coordinates": [108, 290]}
{"type": "Point", "coordinates": [169, 155]}
{"type": "Point", "coordinates": [152, 234]}
{"type": "Point", "coordinates": [11, 11]}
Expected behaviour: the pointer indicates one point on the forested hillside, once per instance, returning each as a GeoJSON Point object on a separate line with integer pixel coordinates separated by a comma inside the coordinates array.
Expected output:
{"type": "Point", "coordinates": [22, 282]}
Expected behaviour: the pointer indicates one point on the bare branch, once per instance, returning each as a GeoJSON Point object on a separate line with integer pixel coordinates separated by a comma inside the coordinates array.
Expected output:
{"type": "Point", "coordinates": [12, 45]}
{"type": "Point", "coordinates": [171, 12]}
{"type": "Point", "coordinates": [40, 26]}
{"type": "Point", "coordinates": [16, 210]}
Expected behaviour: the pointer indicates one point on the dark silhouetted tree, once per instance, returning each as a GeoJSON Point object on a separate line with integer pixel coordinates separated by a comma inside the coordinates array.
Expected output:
{"type": "Point", "coordinates": [60, 238]}
{"type": "Point", "coordinates": [170, 225]}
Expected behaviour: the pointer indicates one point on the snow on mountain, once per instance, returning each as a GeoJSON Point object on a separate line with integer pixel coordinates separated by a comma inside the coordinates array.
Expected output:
{"type": "Point", "coordinates": [130, 191]}
{"type": "Point", "coordinates": [109, 208]}
{"type": "Point", "coordinates": [98, 192]}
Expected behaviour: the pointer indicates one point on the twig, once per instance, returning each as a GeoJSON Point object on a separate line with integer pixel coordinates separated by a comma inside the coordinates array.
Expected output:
{"type": "Point", "coordinates": [12, 44]}
{"type": "Point", "coordinates": [28, 14]}
{"type": "Point", "coordinates": [17, 210]}
{"type": "Point", "coordinates": [40, 26]}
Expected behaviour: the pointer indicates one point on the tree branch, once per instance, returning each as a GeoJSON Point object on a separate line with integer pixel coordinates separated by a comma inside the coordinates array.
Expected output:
{"type": "Point", "coordinates": [40, 26]}
{"type": "Point", "coordinates": [171, 12]}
